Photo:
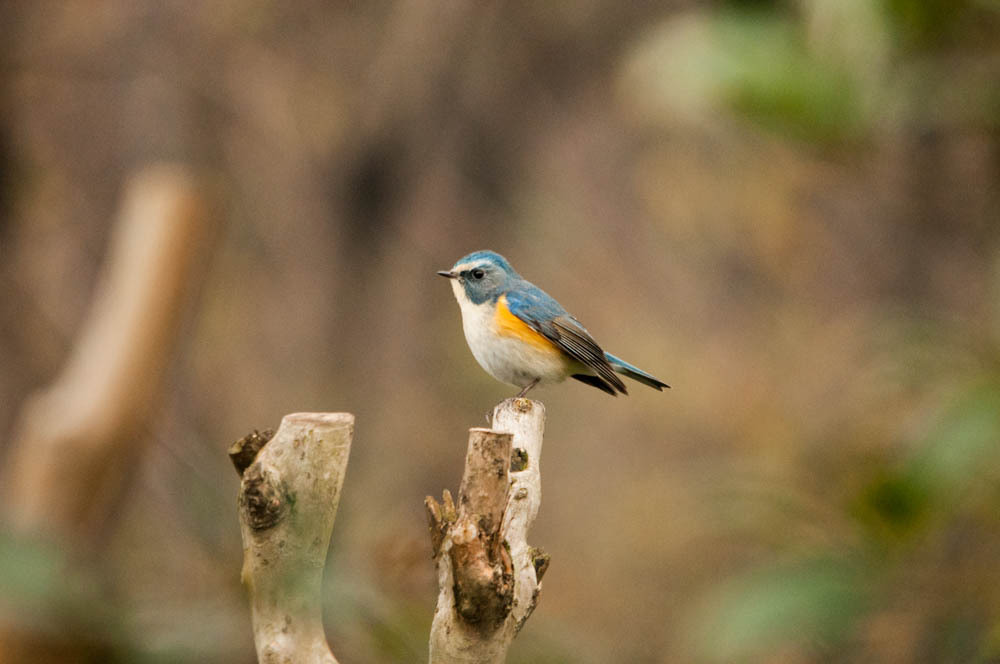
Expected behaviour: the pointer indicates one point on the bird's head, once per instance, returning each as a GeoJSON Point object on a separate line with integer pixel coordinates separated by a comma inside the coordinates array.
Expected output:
{"type": "Point", "coordinates": [481, 276]}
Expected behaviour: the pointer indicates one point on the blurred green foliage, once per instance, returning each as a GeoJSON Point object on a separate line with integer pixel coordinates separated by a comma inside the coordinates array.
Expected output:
{"type": "Point", "coordinates": [925, 23]}
{"type": "Point", "coordinates": [962, 449]}
{"type": "Point", "coordinates": [755, 61]}
{"type": "Point", "coordinates": [935, 478]}
{"type": "Point", "coordinates": [943, 490]}
{"type": "Point", "coordinates": [812, 602]}
{"type": "Point", "coordinates": [824, 71]}
{"type": "Point", "coordinates": [42, 580]}
{"type": "Point", "coordinates": [772, 77]}
{"type": "Point", "coordinates": [59, 597]}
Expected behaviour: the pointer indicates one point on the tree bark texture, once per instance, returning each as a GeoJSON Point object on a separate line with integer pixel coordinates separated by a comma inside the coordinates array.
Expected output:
{"type": "Point", "coordinates": [488, 575]}
{"type": "Point", "coordinates": [287, 503]}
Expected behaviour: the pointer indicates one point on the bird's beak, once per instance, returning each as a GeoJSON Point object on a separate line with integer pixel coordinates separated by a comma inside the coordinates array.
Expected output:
{"type": "Point", "coordinates": [446, 273]}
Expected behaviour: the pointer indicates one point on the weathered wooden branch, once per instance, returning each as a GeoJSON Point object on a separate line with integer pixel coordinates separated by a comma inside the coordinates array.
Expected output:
{"type": "Point", "coordinates": [488, 576]}
{"type": "Point", "coordinates": [288, 501]}
{"type": "Point", "coordinates": [76, 440]}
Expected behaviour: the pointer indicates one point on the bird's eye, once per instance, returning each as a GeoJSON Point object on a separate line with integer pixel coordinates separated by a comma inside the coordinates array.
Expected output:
{"type": "Point", "coordinates": [477, 274]}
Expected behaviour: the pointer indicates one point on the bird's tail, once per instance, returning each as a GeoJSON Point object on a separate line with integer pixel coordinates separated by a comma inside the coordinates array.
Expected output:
{"type": "Point", "coordinates": [635, 373]}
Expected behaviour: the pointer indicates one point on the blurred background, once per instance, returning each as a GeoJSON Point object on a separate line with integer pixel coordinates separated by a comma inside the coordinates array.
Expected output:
{"type": "Point", "coordinates": [788, 210]}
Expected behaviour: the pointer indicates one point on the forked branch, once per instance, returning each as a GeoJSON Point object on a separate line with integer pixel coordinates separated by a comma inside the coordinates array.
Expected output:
{"type": "Point", "coordinates": [288, 501]}
{"type": "Point", "coordinates": [488, 576]}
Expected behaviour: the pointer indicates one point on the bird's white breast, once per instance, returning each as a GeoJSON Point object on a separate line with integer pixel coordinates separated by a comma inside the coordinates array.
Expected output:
{"type": "Point", "coordinates": [506, 358]}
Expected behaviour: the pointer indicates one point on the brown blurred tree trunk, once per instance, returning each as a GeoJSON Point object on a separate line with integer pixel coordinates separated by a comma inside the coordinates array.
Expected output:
{"type": "Point", "coordinates": [77, 442]}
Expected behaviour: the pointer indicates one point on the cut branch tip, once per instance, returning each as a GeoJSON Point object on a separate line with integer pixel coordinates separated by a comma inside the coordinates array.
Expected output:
{"type": "Point", "coordinates": [243, 452]}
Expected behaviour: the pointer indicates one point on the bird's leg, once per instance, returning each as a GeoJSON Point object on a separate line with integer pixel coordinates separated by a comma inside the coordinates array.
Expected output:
{"type": "Point", "coordinates": [527, 387]}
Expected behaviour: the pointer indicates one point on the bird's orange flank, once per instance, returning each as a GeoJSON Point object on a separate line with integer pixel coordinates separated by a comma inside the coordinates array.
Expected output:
{"type": "Point", "coordinates": [509, 325]}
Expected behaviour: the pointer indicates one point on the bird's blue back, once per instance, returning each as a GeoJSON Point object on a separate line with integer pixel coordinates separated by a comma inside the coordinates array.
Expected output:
{"type": "Point", "coordinates": [529, 302]}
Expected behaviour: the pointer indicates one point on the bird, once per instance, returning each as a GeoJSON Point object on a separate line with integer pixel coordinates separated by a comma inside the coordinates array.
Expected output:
{"type": "Point", "coordinates": [521, 336]}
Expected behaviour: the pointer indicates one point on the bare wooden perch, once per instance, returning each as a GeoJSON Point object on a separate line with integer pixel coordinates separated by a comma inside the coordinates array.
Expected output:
{"type": "Point", "coordinates": [288, 502]}
{"type": "Point", "coordinates": [488, 576]}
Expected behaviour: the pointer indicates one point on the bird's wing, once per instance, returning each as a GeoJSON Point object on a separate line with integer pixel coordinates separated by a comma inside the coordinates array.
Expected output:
{"type": "Point", "coordinates": [543, 314]}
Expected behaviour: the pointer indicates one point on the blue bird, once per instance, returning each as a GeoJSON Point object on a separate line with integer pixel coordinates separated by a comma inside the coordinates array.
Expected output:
{"type": "Point", "coordinates": [523, 337]}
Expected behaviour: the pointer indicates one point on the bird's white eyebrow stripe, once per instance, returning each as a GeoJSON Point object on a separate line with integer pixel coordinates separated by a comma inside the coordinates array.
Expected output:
{"type": "Point", "coordinates": [465, 266]}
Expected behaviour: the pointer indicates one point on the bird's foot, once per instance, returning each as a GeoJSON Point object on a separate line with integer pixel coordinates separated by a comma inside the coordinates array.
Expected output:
{"type": "Point", "coordinates": [520, 395]}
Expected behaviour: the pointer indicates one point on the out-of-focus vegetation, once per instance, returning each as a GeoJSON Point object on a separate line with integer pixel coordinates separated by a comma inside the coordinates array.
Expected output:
{"type": "Point", "coordinates": [787, 210]}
